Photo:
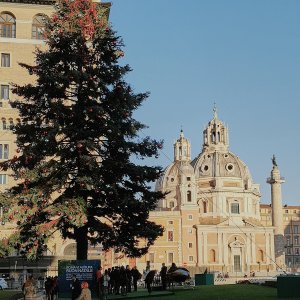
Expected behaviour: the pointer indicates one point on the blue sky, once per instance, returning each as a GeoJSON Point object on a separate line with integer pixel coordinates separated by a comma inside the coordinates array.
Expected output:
{"type": "Point", "coordinates": [243, 55]}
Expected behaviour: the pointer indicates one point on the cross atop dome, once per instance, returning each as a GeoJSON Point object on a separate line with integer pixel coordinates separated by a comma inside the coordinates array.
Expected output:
{"type": "Point", "coordinates": [215, 111]}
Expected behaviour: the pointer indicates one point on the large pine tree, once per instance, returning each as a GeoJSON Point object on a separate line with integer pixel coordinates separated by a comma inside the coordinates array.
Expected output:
{"type": "Point", "coordinates": [77, 143]}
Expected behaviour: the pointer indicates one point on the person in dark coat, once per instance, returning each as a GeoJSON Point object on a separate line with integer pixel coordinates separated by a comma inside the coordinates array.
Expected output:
{"type": "Point", "coordinates": [136, 276]}
{"type": "Point", "coordinates": [163, 276]}
{"type": "Point", "coordinates": [128, 279]}
{"type": "Point", "coordinates": [123, 280]}
{"type": "Point", "coordinates": [149, 280]}
{"type": "Point", "coordinates": [76, 287]}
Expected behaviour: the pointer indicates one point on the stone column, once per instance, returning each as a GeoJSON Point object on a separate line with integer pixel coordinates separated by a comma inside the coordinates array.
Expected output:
{"type": "Point", "coordinates": [277, 217]}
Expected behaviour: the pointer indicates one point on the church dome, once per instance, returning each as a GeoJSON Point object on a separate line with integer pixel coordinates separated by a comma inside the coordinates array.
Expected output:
{"type": "Point", "coordinates": [172, 173]}
{"type": "Point", "coordinates": [220, 164]}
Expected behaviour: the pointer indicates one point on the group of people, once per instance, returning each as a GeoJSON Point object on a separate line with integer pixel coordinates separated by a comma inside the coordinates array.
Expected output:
{"type": "Point", "coordinates": [51, 288]}
{"type": "Point", "coordinates": [117, 280]}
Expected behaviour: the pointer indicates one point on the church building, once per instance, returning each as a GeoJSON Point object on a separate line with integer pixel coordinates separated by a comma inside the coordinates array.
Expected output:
{"type": "Point", "coordinates": [212, 210]}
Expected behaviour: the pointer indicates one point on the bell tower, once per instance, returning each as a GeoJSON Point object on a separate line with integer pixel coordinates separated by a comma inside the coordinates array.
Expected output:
{"type": "Point", "coordinates": [182, 149]}
{"type": "Point", "coordinates": [215, 135]}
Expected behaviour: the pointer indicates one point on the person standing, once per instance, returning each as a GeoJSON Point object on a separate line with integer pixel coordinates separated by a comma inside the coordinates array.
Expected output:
{"type": "Point", "coordinates": [85, 292]}
{"type": "Point", "coordinates": [163, 276]}
{"type": "Point", "coordinates": [128, 279]}
{"type": "Point", "coordinates": [136, 276]}
{"type": "Point", "coordinates": [75, 287]}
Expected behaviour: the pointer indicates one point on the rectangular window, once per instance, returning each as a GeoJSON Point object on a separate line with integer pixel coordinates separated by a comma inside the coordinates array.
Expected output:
{"type": "Point", "coordinates": [151, 257]}
{"type": "Point", "coordinates": [296, 229]}
{"type": "Point", "coordinates": [170, 257]}
{"type": "Point", "coordinates": [2, 178]}
{"type": "Point", "coordinates": [297, 251]}
{"type": "Point", "coordinates": [190, 217]}
{"type": "Point", "coordinates": [190, 245]}
{"type": "Point", "coordinates": [4, 91]}
{"type": "Point", "coordinates": [170, 222]}
{"type": "Point", "coordinates": [191, 258]}
{"type": "Point", "coordinates": [288, 241]}
{"type": "Point", "coordinates": [5, 60]}
{"type": "Point", "coordinates": [235, 208]}
{"type": "Point", "coordinates": [287, 229]}
{"type": "Point", "coordinates": [296, 240]}
{"type": "Point", "coordinates": [170, 236]}
{"type": "Point", "coordinates": [237, 263]}
{"type": "Point", "coordinates": [288, 251]}
{"type": "Point", "coordinates": [4, 151]}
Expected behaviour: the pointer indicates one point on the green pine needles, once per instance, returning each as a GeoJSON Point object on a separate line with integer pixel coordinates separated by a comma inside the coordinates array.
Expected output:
{"type": "Point", "coordinates": [73, 166]}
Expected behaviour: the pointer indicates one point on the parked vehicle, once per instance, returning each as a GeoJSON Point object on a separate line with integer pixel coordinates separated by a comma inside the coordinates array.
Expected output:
{"type": "Point", "coordinates": [3, 284]}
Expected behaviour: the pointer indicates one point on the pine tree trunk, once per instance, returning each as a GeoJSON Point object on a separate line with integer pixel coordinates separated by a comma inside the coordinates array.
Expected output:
{"type": "Point", "coordinates": [81, 242]}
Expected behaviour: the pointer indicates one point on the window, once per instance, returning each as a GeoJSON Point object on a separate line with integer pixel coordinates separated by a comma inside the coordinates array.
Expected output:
{"type": "Point", "coordinates": [38, 27]}
{"type": "Point", "coordinates": [171, 204]}
{"type": "Point", "coordinates": [5, 60]}
{"type": "Point", "coordinates": [190, 217]}
{"type": "Point", "coordinates": [2, 178]}
{"type": "Point", "coordinates": [205, 207]}
{"type": "Point", "coordinates": [151, 257]}
{"type": "Point", "coordinates": [4, 91]}
{"type": "Point", "coordinates": [4, 151]}
{"type": "Point", "coordinates": [189, 196]}
{"type": "Point", "coordinates": [190, 245]}
{"type": "Point", "coordinates": [212, 256]}
{"type": "Point", "coordinates": [170, 222]}
{"type": "Point", "coordinates": [296, 229]}
{"type": "Point", "coordinates": [191, 258]}
{"type": "Point", "coordinates": [288, 241]}
{"type": "Point", "coordinates": [297, 251]}
{"type": "Point", "coordinates": [288, 251]}
{"type": "Point", "coordinates": [11, 124]}
{"type": "Point", "coordinates": [286, 211]}
{"type": "Point", "coordinates": [188, 178]}
{"type": "Point", "coordinates": [235, 208]}
{"type": "Point", "coordinates": [170, 257]}
{"type": "Point", "coordinates": [287, 229]}
{"type": "Point", "coordinates": [170, 236]}
{"type": "Point", "coordinates": [4, 124]}
{"type": "Point", "coordinates": [296, 240]}
{"type": "Point", "coordinates": [7, 25]}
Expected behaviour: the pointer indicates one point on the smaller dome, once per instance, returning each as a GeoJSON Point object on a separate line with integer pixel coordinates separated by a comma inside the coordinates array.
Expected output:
{"type": "Point", "coordinates": [172, 173]}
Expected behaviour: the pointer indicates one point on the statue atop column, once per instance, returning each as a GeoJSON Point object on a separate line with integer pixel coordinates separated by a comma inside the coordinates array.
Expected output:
{"type": "Point", "coordinates": [274, 161]}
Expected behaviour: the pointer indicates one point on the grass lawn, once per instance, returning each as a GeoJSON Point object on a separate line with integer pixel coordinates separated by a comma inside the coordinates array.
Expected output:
{"type": "Point", "coordinates": [5, 294]}
{"type": "Point", "coordinates": [219, 292]}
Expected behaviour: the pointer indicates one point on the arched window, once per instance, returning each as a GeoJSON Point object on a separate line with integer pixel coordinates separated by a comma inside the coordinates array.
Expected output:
{"type": "Point", "coordinates": [189, 196]}
{"type": "Point", "coordinates": [11, 124]}
{"type": "Point", "coordinates": [38, 27]}
{"type": "Point", "coordinates": [3, 123]}
{"type": "Point", "coordinates": [70, 249]}
{"type": "Point", "coordinates": [212, 255]}
{"type": "Point", "coordinates": [205, 207]}
{"type": "Point", "coordinates": [7, 25]}
{"type": "Point", "coordinates": [171, 204]}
